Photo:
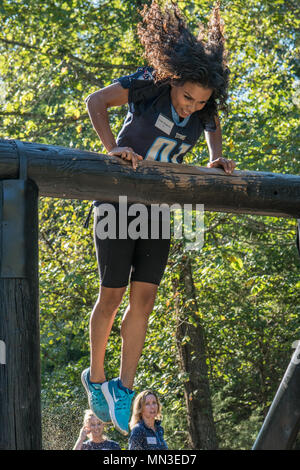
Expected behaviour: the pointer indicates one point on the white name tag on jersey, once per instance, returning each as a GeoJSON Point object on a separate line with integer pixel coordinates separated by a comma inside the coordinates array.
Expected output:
{"type": "Point", "coordinates": [151, 440]}
{"type": "Point", "coordinates": [164, 124]}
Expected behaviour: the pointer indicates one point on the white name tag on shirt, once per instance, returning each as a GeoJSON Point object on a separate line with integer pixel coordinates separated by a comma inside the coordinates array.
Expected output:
{"type": "Point", "coordinates": [164, 124]}
{"type": "Point", "coordinates": [151, 440]}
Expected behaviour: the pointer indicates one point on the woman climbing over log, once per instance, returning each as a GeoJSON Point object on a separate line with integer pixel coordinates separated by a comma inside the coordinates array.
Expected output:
{"type": "Point", "coordinates": [171, 102]}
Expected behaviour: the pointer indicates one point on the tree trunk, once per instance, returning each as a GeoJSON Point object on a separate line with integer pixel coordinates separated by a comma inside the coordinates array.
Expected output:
{"type": "Point", "coordinates": [191, 346]}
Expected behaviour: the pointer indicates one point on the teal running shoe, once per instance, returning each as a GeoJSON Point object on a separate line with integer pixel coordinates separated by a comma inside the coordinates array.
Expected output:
{"type": "Point", "coordinates": [96, 398]}
{"type": "Point", "coordinates": [119, 401]}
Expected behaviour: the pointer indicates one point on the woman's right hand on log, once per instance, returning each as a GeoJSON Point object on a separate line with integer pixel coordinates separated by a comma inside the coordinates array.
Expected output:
{"type": "Point", "coordinates": [127, 153]}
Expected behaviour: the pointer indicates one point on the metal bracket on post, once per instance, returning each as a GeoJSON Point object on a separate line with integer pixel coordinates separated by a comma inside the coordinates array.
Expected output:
{"type": "Point", "coordinates": [13, 194]}
{"type": "Point", "coordinates": [22, 160]}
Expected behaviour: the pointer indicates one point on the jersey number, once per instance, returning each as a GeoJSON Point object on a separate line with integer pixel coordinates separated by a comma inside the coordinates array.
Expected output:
{"type": "Point", "coordinates": [162, 148]}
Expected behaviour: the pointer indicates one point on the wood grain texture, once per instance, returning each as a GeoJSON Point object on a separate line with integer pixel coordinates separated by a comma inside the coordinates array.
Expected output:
{"type": "Point", "coordinates": [20, 414]}
{"type": "Point", "coordinates": [77, 174]}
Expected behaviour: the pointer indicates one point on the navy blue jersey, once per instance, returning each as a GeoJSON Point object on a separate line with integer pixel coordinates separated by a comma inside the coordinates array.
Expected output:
{"type": "Point", "coordinates": [152, 127]}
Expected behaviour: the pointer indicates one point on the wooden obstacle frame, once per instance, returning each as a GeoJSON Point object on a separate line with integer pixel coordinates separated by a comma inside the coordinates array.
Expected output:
{"type": "Point", "coordinates": [29, 170]}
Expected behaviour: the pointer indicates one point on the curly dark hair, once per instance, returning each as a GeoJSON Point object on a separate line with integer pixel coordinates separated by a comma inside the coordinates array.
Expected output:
{"type": "Point", "coordinates": [177, 56]}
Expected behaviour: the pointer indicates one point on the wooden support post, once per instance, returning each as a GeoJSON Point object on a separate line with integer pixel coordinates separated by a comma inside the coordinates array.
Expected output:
{"type": "Point", "coordinates": [20, 414]}
{"type": "Point", "coordinates": [282, 422]}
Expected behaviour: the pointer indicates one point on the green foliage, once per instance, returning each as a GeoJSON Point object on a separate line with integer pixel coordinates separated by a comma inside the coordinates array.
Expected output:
{"type": "Point", "coordinates": [52, 55]}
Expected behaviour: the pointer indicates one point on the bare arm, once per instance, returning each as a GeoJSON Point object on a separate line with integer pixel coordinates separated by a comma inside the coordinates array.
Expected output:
{"type": "Point", "coordinates": [214, 143]}
{"type": "Point", "coordinates": [81, 439]}
{"type": "Point", "coordinates": [98, 104]}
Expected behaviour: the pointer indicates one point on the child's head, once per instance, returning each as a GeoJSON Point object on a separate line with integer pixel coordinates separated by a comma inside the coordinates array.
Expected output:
{"type": "Point", "coordinates": [93, 425]}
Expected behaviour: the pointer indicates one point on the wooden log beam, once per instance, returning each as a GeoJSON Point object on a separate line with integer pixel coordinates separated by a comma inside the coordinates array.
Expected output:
{"type": "Point", "coordinates": [77, 174]}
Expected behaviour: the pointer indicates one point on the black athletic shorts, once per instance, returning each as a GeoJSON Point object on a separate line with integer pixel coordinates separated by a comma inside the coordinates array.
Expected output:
{"type": "Point", "coordinates": [121, 260]}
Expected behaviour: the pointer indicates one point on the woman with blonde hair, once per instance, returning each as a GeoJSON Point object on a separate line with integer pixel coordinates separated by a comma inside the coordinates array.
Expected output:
{"type": "Point", "coordinates": [93, 428]}
{"type": "Point", "coordinates": [145, 424]}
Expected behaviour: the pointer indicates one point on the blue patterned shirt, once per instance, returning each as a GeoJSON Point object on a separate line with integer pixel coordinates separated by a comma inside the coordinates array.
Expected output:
{"type": "Point", "coordinates": [144, 438]}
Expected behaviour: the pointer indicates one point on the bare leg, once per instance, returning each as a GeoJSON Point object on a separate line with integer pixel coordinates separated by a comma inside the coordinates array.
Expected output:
{"type": "Point", "coordinates": [134, 328]}
{"type": "Point", "coordinates": [101, 322]}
